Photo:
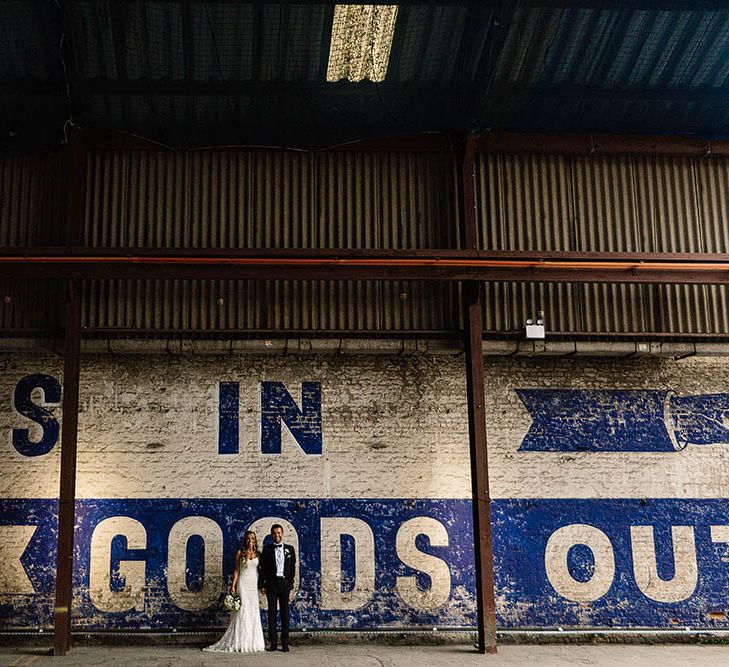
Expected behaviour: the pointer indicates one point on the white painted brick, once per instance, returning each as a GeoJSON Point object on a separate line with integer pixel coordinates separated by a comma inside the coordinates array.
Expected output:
{"type": "Point", "coordinates": [394, 426]}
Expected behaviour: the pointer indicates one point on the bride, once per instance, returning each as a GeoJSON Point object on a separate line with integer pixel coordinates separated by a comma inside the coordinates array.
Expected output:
{"type": "Point", "coordinates": [244, 634]}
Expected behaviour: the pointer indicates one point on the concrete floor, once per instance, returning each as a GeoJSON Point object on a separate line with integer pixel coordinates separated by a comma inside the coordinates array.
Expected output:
{"type": "Point", "coordinates": [367, 655]}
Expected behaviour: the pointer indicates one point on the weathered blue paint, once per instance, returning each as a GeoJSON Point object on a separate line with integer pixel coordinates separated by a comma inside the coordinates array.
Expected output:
{"type": "Point", "coordinates": [521, 529]}
{"type": "Point", "coordinates": [384, 516]}
{"type": "Point", "coordinates": [228, 402]}
{"type": "Point", "coordinates": [38, 561]}
{"type": "Point", "coordinates": [700, 420]}
{"type": "Point", "coordinates": [26, 407]}
{"type": "Point", "coordinates": [618, 420]}
{"type": "Point", "coordinates": [305, 424]}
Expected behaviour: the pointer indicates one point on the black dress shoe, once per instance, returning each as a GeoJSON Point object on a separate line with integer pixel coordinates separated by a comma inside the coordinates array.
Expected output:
{"type": "Point", "coordinates": [285, 649]}
{"type": "Point", "coordinates": [271, 648]}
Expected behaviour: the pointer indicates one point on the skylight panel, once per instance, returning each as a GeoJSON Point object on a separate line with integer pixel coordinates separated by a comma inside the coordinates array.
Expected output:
{"type": "Point", "coordinates": [361, 42]}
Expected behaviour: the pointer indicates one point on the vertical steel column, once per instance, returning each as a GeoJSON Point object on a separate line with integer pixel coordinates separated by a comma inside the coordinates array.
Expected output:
{"type": "Point", "coordinates": [473, 342]}
{"type": "Point", "coordinates": [67, 494]}
{"type": "Point", "coordinates": [69, 427]}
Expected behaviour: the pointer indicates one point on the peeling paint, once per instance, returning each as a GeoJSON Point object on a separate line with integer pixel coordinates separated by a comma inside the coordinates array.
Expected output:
{"type": "Point", "coordinates": [620, 531]}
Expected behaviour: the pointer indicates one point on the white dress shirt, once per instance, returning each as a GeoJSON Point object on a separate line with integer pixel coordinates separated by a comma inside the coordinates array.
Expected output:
{"type": "Point", "coordinates": [278, 549]}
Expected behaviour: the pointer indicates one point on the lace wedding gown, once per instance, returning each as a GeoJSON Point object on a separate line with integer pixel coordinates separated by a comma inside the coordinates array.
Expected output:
{"type": "Point", "coordinates": [244, 634]}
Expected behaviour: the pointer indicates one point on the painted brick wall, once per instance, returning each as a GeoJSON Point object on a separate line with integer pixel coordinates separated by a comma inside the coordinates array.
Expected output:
{"type": "Point", "coordinates": [608, 478]}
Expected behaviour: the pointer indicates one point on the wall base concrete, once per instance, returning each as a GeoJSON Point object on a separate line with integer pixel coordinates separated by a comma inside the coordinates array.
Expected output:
{"type": "Point", "coordinates": [385, 637]}
{"type": "Point", "coordinates": [370, 655]}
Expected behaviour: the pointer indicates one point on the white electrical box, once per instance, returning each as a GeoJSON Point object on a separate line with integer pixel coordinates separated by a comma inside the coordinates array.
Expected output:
{"type": "Point", "coordinates": [535, 331]}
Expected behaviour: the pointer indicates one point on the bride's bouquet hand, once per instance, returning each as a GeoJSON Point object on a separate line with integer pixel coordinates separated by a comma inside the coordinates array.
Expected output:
{"type": "Point", "coordinates": [231, 602]}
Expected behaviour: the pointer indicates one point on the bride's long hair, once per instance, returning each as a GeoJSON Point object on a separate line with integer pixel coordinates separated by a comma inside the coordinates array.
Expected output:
{"type": "Point", "coordinates": [242, 546]}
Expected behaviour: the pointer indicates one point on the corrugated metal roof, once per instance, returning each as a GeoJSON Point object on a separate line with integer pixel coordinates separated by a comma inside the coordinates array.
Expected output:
{"type": "Point", "coordinates": [624, 68]}
{"type": "Point", "coordinates": [223, 71]}
{"type": "Point", "coordinates": [426, 44]}
{"type": "Point", "coordinates": [28, 40]}
{"type": "Point", "coordinates": [518, 46]}
{"type": "Point", "coordinates": [642, 49]}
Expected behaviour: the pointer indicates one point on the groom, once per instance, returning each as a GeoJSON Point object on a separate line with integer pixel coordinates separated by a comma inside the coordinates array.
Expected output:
{"type": "Point", "coordinates": [278, 566]}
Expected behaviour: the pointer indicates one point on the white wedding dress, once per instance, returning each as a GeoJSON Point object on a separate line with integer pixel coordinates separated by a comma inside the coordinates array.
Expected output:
{"type": "Point", "coordinates": [245, 633]}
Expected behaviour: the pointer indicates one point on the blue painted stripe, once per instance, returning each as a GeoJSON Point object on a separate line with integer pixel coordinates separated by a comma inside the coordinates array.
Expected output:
{"type": "Point", "coordinates": [521, 529]}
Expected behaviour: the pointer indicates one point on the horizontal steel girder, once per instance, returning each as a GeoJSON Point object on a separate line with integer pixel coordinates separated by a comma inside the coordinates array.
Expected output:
{"type": "Point", "coordinates": [445, 265]}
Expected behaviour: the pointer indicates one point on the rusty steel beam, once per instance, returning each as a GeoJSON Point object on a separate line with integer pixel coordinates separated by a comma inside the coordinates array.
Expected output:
{"type": "Point", "coordinates": [481, 498]}
{"type": "Point", "coordinates": [67, 493]}
{"type": "Point", "coordinates": [475, 393]}
{"type": "Point", "coordinates": [69, 419]}
{"type": "Point", "coordinates": [598, 144]}
{"type": "Point", "coordinates": [353, 253]}
{"type": "Point", "coordinates": [653, 5]}
{"type": "Point", "coordinates": [194, 254]}
{"type": "Point", "coordinates": [488, 142]}
{"type": "Point", "coordinates": [365, 265]}
{"type": "Point", "coordinates": [432, 142]}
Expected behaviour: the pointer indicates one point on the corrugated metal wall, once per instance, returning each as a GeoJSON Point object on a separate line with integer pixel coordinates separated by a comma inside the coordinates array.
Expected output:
{"type": "Point", "coordinates": [260, 199]}
{"type": "Point", "coordinates": [30, 307]}
{"type": "Point", "coordinates": [32, 199]}
{"type": "Point", "coordinates": [610, 204]}
{"type": "Point", "coordinates": [133, 307]}
{"type": "Point", "coordinates": [270, 199]}
{"type": "Point", "coordinates": [32, 213]}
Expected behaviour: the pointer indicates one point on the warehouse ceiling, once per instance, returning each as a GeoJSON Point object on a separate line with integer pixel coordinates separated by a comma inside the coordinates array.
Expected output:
{"type": "Point", "coordinates": [219, 72]}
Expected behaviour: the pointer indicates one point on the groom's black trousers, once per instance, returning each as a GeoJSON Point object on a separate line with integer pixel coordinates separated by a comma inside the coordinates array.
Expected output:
{"type": "Point", "coordinates": [278, 594]}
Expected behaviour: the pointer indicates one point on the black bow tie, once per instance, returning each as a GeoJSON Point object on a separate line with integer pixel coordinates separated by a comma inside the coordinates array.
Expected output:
{"type": "Point", "coordinates": [279, 546]}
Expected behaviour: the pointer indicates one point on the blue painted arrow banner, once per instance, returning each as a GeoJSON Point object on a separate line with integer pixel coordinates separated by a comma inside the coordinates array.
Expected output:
{"type": "Point", "coordinates": [614, 420]}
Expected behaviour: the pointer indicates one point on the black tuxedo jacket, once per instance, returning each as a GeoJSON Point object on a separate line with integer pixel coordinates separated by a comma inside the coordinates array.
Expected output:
{"type": "Point", "coordinates": [267, 575]}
